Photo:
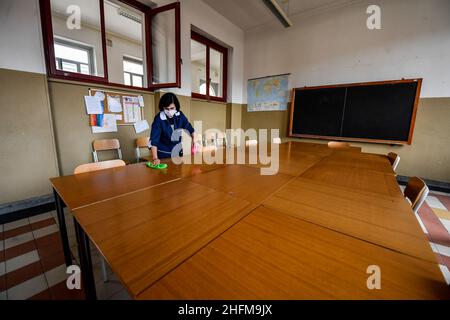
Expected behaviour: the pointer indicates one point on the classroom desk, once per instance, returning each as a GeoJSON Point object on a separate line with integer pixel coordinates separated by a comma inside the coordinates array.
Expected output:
{"type": "Point", "coordinates": [353, 177]}
{"type": "Point", "coordinates": [373, 217]}
{"type": "Point", "coordinates": [333, 218]}
{"type": "Point", "coordinates": [271, 255]}
{"type": "Point", "coordinates": [242, 182]}
{"type": "Point", "coordinates": [77, 191]}
{"type": "Point", "coordinates": [146, 234]}
{"type": "Point", "coordinates": [362, 161]}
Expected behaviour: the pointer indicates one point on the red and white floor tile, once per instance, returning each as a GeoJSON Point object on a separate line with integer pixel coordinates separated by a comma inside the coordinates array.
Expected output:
{"type": "Point", "coordinates": [32, 262]}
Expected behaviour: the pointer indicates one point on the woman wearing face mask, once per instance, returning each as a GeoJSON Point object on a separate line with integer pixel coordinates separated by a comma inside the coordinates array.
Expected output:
{"type": "Point", "coordinates": [166, 122]}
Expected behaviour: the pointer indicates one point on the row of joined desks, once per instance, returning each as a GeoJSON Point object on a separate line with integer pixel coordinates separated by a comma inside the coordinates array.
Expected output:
{"type": "Point", "coordinates": [227, 232]}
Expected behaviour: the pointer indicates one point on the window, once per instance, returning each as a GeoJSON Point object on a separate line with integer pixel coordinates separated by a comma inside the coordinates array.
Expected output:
{"type": "Point", "coordinates": [133, 72]}
{"type": "Point", "coordinates": [118, 42]}
{"type": "Point", "coordinates": [73, 57]}
{"type": "Point", "coordinates": [208, 69]}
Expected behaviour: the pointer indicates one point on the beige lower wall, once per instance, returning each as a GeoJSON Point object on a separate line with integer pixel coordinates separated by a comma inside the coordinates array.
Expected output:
{"type": "Point", "coordinates": [45, 123]}
{"type": "Point", "coordinates": [72, 130]}
{"type": "Point", "coordinates": [27, 156]}
{"type": "Point", "coordinates": [427, 157]}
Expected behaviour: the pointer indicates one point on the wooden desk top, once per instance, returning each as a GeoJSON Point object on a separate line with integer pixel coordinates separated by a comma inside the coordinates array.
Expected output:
{"type": "Point", "coordinates": [361, 161]}
{"type": "Point", "coordinates": [383, 220]}
{"type": "Point", "coordinates": [88, 188]}
{"type": "Point", "coordinates": [270, 255]}
{"type": "Point", "coordinates": [243, 182]}
{"type": "Point", "coordinates": [146, 234]}
{"type": "Point", "coordinates": [354, 178]}
{"type": "Point", "coordinates": [189, 231]}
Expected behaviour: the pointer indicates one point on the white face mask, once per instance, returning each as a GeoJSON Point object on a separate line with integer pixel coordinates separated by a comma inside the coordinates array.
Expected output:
{"type": "Point", "coordinates": [170, 113]}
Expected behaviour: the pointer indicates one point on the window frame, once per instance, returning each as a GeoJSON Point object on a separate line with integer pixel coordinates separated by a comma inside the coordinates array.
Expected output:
{"type": "Point", "coordinates": [210, 44]}
{"type": "Point", "coordinates": [135, 61]}
{"type": "Point", "coordinates": [71, 44]}
{"type": "Point", "coordinates": [148, 13]}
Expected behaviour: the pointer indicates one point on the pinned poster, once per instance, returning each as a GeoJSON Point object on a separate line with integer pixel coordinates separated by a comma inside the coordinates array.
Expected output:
{"type": "Point", "coordinates": [96, 120]}
{"type": "Point", "coordinates": [141, 101]}
{"type": "Point", "coordinates": [93, 105]}
{"type": "Point", "coordinates": [114, 104]}
{"type": "Point", "coordinates": [141, 126]}
{"type": "Point", "coordinates": [131, 110]}
{"type": "Point", "coordinates": [109, 124]}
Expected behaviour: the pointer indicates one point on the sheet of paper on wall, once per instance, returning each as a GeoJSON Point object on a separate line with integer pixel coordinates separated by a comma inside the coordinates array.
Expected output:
{"type": "Point", "coordinates": [100, 95]}
{"type": "Point", "coordinates": [131, 110]}
{"type": "Point", "coordinates": [141, 126]}
{"type": "Point", "coordinates": [93, 105]}
{"type": "Point", "coordinates": [141, 101]}
{"type": "Point", "coordinates": [119, 117]}
{"type": "Point", "coordinates": [114, 104]}
{"type": "Point", "coordinates": [109, 124]}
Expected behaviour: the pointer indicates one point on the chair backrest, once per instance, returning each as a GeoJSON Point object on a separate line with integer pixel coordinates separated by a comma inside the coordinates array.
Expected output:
{"type": "Point", "coordinates": [221, 139]}
{"type": "Point", "coordinates": [394, 159]}
{"type": "Point", "coordinates": [208, 148]}
{"type": "Point", "coordinates": [105, 145]}
{"type": "Point", "coordinates": [209, 138]}
{"type": "Point", "coordinates": [276, 140]}
{"type": "Point", "coordinates": [141, 142]}
{"type": "Point", "coordinates": [89, 167]}
{"type": "Point", "coordinates": [416, 191]}
{"type": "Point", "coordinates": [251, 143]}
{"type": "Point", "coordinates": [338, 145]}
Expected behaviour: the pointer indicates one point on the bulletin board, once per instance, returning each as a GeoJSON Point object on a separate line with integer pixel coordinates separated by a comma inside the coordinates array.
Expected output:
{"type": "Point", "coordinates": [132, 106]}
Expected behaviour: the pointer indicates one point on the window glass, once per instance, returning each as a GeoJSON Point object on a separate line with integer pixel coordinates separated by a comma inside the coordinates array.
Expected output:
{"type": "Point", "coordinates": [198, 65]}
{"type": "Point", "coordinates": [216, 73]}
{"type": "Point", "coordinates": [125, 37]}
{"type": "Point", "coordinates": [77, 36]}
{"type": "Point", "coordinates": [164, 47]}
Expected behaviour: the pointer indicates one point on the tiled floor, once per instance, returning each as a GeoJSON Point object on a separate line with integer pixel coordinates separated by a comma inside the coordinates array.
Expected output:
{"type": "Point", "coordinates": [32, 261]}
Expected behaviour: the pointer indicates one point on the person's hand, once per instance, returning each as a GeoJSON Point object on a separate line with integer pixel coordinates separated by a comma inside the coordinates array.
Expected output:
{"type": "Point", "coordinates": [156, 162]}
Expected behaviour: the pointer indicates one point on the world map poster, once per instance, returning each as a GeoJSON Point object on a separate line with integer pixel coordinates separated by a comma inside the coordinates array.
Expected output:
{"type": "Point", "coordinates": [268, 93]}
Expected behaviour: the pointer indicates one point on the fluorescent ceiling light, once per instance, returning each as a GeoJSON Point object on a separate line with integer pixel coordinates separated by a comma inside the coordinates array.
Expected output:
{"type": "Point", "coordinates": [278, 12]}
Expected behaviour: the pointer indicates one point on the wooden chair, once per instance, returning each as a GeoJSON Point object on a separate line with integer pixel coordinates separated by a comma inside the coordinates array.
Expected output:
{"type": "Point", "coordinates": [142, 142]}
{"type": "Point", "coordinates": [105, 145]}
{"type": "Point", "coordinates": [89, 167]}
{"type": "Point", "coordinates": [276, 140]}
{"type": "Point", "coordinates": [394, 159]}
{"type": "Point", "coordinates": [416, 191]}
{"type": "Point", "coordinates": [221, 140]}
{"type": "Point", "coordinates": [251, 143]}
{"type": "Point", "coordinates": [338, 145]}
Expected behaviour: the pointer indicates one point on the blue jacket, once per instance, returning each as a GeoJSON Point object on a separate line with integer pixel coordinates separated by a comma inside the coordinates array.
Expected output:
{"type": "Point", "coordinates": [161, 134]}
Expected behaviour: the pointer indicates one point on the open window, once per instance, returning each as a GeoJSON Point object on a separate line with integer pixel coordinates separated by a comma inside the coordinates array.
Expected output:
{"type": "Point", "coordinates": [117, 42]}
{"type": "Point", "coordinates": [208, 69]}
{"type": "Point", "coordinates": [165, 50]}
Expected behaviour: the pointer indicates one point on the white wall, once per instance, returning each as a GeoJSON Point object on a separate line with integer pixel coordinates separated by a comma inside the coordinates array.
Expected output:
{"type": "Point", "coordinates": [202, 16]}
{"type": "Point", "coordinates": [20, 36]}
{"type": "Point", "coordinates": [336, 46]}
{"type": "Point", "coordinates": [21, 40]}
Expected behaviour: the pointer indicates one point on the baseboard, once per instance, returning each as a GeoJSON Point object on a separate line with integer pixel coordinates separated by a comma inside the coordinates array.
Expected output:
{"type": "Point", "coordinates": [432, 184]}
{"type": "Point", "coordinates": [26, 208]}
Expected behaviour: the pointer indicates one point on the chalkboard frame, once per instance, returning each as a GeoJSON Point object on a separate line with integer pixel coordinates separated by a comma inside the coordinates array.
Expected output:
{"type": "Point", "coordinates": [379, 141]}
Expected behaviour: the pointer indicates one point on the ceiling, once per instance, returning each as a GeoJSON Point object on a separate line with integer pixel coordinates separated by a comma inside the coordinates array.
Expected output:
{"type": "Point", "coordinates": [247, 14]}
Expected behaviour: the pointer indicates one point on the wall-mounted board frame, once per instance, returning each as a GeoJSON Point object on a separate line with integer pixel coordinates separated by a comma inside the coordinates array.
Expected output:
{"type": "Point", "coordinates": [376, 112]}
{"type": "Point", "coordinates": [122, 116]}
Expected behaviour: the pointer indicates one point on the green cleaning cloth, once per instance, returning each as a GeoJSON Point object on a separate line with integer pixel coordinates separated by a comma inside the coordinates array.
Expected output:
{"type": "Point", "coordinates": [160, 166]}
